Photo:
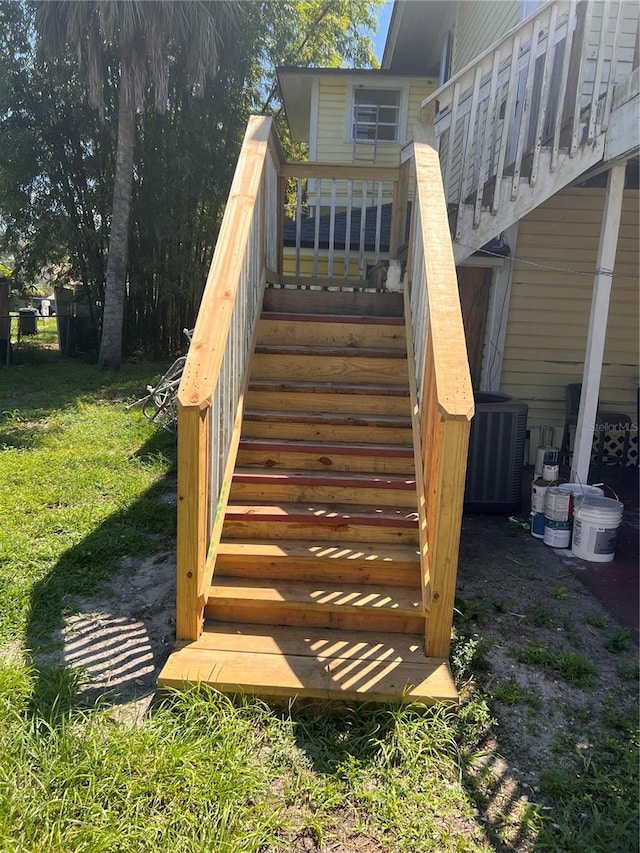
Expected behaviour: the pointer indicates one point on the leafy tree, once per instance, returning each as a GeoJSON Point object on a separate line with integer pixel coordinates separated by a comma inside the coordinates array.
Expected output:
{"type": "Point", "coordinates": [143, 34]}
{"type": "Point", "coordinates": [57, 158]}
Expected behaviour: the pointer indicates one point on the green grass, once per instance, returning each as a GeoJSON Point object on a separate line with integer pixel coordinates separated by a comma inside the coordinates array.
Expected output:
{"type": "Point", "coordinates": [83, 484]}
{"type": "Point", "coordinates": [576, 669]}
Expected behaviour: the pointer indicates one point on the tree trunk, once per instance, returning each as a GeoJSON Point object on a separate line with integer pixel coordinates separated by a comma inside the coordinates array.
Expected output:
{"type": "Point", "coordinates": [113, 314]}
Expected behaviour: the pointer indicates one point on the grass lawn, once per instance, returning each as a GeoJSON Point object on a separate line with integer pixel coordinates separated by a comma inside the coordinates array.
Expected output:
{"type": "Point", "coordinates": [83, 485]}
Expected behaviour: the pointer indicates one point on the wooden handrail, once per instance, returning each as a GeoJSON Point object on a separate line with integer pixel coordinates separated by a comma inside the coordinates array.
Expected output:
{"type": "Point", "coordinates": [445, 395]}
{"type": "Point", "coordinates": [206, 351]}
{"type": "Point", "coordinates": [217, 366]}
{"type": "Point", "coordinates": [455, 394]}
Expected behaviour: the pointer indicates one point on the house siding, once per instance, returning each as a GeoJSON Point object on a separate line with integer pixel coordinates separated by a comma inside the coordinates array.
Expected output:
{"type": "Point", "coordinates": [332, 146]}
{"type": "Point", "coordinates": [549, 309]}
{"type": "Point", "coordinates": [478, 25]}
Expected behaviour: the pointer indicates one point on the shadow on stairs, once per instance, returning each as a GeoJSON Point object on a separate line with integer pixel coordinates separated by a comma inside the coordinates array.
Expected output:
{"type": "Point", "coordinates": [316, 590]}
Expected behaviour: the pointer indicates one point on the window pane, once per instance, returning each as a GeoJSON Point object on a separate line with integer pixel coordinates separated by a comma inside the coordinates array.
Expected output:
{"type": "Point", "coordinates": [376, 114]}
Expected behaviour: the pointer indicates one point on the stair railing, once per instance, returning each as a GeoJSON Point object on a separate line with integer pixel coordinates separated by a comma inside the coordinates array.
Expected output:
{"type": "Point", "coordinates": [346, 226]}
{"type": "Point", "coordinates": [547, 84]}
{"type": "Point", "coordinates": [211, 392]}
{"type": "Point", "coordinates": [443, 389]}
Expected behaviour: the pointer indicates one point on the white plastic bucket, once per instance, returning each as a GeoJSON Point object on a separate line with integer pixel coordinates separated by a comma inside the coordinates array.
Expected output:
{"type": "Point", "coordinates": [557, 534]}
{"type": "Point", "coordinates": [595, 528]}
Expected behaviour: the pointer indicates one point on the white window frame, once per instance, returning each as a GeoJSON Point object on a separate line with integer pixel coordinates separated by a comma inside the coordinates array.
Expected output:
{"type": "Point", "coordinates": [401, 86]}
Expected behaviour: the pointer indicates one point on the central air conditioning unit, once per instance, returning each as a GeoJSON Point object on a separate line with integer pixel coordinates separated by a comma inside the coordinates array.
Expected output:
{"type": "Point", "coordinates": [496, 454]}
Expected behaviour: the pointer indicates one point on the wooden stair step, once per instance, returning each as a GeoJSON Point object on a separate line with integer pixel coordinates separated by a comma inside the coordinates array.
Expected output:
{"type": "Point", "coordinates": [360, 319]}
{"type": "Point", "coordinates": [352, 365]}
{"type": "Point", "coordinates": [317, 560]}
{"type": "Point", "coordinates": [291, 485]}
{"type": "Point", "coordinates": [329, 448]}
{"type": "Point", "coordinates": [284, 426]}
{"type": "Point", "coordinates": [270, 394]}
{"type": "Point", "coordinates": [284, 521]}
{"type": "Point", "coordinates": [333, 478]}
{"type": "Point", "coordinates": [322, 456]}
{"type": "Point", "coordinates": [329, 514]}
{"type": "Point", "coordinates": [287, 662]}
{"type": "Point", "coordinates": [321, 605]}
{"type": "Point", "coordinates": [333, 418]}
{"type": "Point", "coordinates": [293, 300]}
{"type": "Point", "coordinates": [312, 387]}
{"type": "Point", "coordinates": [331, 331]}
{"type": "Point", "coordinates": [330, 351]}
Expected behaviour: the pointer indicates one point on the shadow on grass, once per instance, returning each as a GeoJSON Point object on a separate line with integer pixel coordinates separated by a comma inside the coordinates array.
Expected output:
{"type": "Point", "coordinates": [101, 623]}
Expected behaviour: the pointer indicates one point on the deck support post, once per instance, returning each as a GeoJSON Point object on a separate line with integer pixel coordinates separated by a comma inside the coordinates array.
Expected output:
{"type": "Point", "coordinates": [598, 324]}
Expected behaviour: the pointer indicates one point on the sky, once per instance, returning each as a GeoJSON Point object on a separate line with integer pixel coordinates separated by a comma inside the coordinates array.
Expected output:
{"type": "Point", "coordinates": [384, 16]}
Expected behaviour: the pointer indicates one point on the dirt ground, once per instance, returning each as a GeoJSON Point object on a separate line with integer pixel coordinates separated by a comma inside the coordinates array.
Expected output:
{"type": "Point", "coordinates": [513, 591]}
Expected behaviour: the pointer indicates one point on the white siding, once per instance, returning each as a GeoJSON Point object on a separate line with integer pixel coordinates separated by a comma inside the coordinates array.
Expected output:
{"type": "Point", "coordinates": [549, 309]}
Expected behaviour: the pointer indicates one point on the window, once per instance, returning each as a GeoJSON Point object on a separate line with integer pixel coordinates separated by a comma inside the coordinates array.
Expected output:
{"type": "Point", "coordinates": [376, 115]}
{"type": "Point", "coordinates": [446, 58]}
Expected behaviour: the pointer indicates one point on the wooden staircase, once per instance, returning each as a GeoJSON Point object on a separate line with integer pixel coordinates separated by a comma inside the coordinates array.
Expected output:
{"type": "Point", "coordinates": [316, 588]}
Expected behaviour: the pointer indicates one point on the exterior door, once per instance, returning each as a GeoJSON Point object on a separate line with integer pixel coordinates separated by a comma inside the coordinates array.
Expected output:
{"type": "Point", "coordinates": [474, 286]}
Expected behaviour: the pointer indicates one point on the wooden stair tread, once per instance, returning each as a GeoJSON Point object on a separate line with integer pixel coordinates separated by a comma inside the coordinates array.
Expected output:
{"type": "Point", "coordinates": [333, 418]}
{"type": "Point", "coordinates": [320, 561]}
{"type": "Point", "coordinates": [318, 596]}
{"type": "Point", "coordinates": [331, 351]}
{"type": "Point", "coordinates": [285, 476]}
{"type": "Point", "coordinates": [329, 447]}
{"type": "Point", "coordinates": [290, 662]}
{"type": "Point", "coordinates": [357, 319]}
{"type": "Point", "coordinates": [302, 386]}
{"type": "Point", "coordinates": [323, 514]}
{"type": "Point", "coordinates": [314, 549]}
{"type": "Point", "coordinates": [306, 301]}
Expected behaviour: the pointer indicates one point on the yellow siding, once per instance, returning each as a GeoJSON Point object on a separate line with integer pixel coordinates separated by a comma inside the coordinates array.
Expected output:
{"type": "Point", "coordinates": [306, 263]}
{"type": "Point", "coordinates": [549, 310]}
{"type": "Point", "coordinates": [479, 24]}
{"type": "Point", "coordinates": [332, 147]}
{"type": "Point", "coordinates": [334, 93]}
{"type": "Point", "coordinates": [419, 90]}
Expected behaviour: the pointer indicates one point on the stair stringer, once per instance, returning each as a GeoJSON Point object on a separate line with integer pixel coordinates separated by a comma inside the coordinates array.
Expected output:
{"type": "Point", "coordinates": [528, 198]}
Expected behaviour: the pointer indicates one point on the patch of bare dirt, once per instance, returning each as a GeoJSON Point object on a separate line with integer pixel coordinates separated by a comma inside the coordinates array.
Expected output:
{"type": "Point", "coordinates": [120, 640]}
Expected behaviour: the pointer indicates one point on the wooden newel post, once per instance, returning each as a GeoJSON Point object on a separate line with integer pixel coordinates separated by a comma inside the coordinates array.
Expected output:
{"type": "Point", "coordinates": [194, 427]}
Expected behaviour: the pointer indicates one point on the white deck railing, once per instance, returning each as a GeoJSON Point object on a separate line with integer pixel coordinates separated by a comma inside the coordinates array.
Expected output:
{"type": "Point", "coordinates": [546, 85]}
{"type": "Point", "coordinates": [339, 213]}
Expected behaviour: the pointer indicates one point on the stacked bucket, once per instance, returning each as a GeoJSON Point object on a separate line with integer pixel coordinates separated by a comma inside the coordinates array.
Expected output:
{"type": "Point", "coordinates": [546, 473]}
{"type": "Point", "coordinates": [570, 513]}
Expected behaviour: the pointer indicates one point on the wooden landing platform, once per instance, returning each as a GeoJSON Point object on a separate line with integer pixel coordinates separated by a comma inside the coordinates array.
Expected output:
{"type": "Point", "coordinates": [277, 662]}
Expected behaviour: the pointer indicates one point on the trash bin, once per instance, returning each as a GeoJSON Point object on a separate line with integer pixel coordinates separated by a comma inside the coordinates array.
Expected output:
{"type": "Point", "coordinates": [28, 322]}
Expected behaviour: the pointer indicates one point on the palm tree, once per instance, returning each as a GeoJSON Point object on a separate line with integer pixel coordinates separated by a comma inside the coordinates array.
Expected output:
{"type": "Point", "coordinates": [143, 34]}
